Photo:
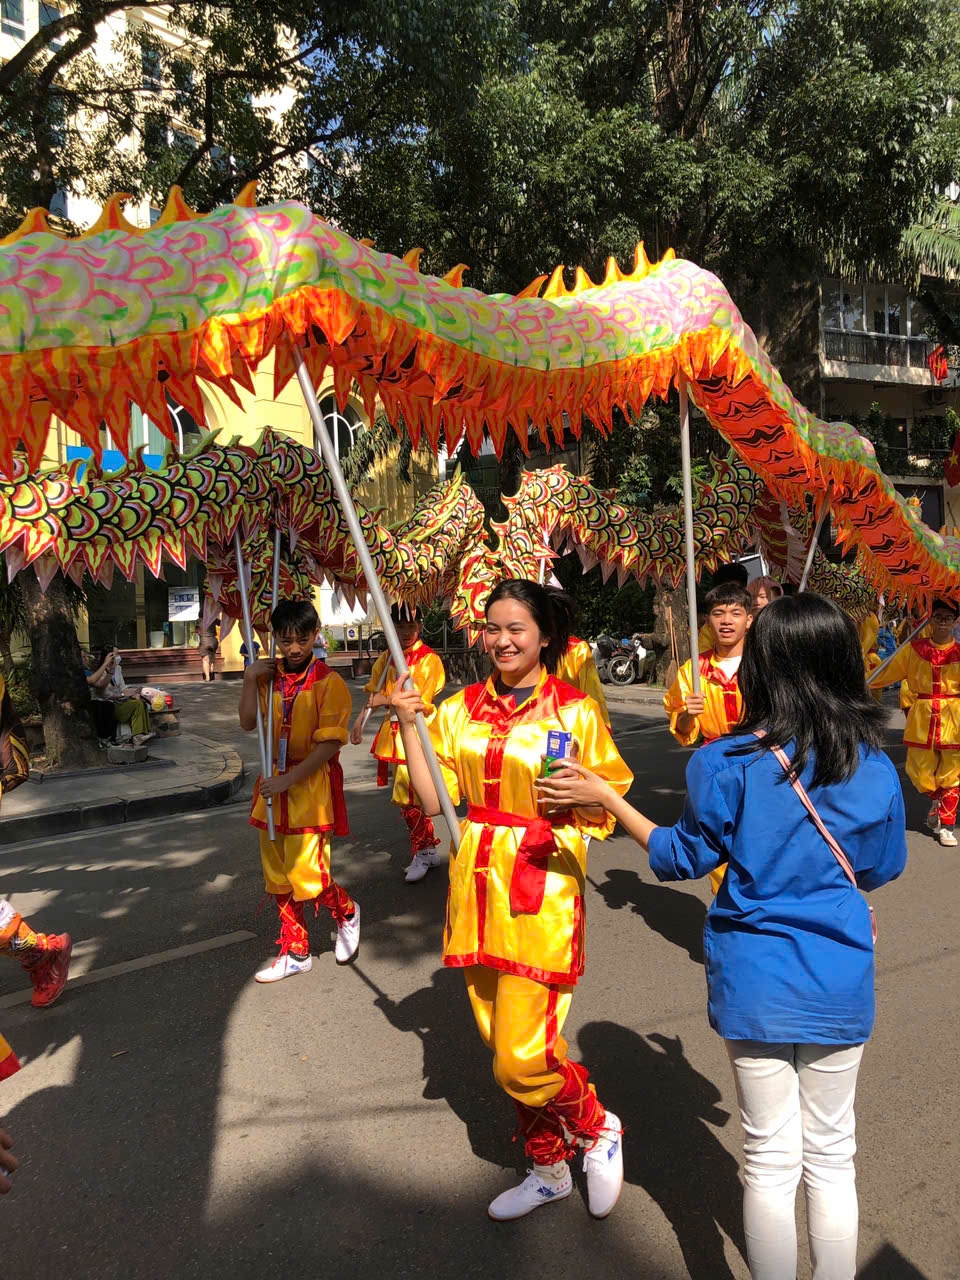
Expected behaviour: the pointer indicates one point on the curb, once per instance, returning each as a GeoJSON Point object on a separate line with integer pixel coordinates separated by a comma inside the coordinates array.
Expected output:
{"type": "Point", "coordinates": [115, 810]}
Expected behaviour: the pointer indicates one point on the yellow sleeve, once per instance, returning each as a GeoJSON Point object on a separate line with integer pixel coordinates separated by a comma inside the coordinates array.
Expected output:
{"type": "Point", "coordinates": [443, 734]}
{"type": "Point", "coordinates": [674, 702]}
{"type": "Point", "coordinates": [590, 683]}
{"type": "Point", "coordinates": [898, 669]}
{"type": "Point", "coordinates": [706, 639]}
{"type": "Point", "coordinates": [374, 682]}
{"type": "Point", "coordinates": [430, 678]}
{"type": "Point", "coordinates": [599, 754]}
{"type": "Point", "coordinates": [334, 706]}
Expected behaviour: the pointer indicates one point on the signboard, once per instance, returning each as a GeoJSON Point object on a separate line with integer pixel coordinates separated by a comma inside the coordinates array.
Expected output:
{"type": "Point", "coordinates": [184, 604]}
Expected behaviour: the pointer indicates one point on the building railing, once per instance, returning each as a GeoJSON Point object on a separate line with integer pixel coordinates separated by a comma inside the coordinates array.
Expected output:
{"type": "Point", "coordinates": [882, 349]}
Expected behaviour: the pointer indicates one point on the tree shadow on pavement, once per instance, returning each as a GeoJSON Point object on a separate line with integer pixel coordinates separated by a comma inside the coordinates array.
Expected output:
{"type": "Point", "coordinates": [675, 914]}
{"type": "Point", "coordinates": [457, 1066]}
{"type": "Point", "coordinates": [667, 1109]}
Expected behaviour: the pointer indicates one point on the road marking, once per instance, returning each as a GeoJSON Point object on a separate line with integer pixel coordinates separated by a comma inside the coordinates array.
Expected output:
{"type": "Point", "coordinates": [142, 962]}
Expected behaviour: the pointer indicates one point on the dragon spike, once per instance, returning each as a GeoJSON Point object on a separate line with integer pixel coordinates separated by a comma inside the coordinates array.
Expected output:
{"type": "Point", "coordinates": [247, 195]}
{"type": "Point", "coordinates": [455, 275]}
{"type": "Point", "coordinates": [555, 285]}
{"type": "Point", "coordinates": [412, 258]}
{"type": "Point", "coordinates": [368, 243]}
{"type": "Point", "coordinates": [35, 220]}
{"type": "Point", "coordinates": [533, 288]}
{"type": "Point", "coordinates": [641, 263]}
{"type": "Point", "coordinates": [112, 217]}
{"type": "Point", "coordinates": [176, 209]}
{"type": "Point", "coordinates": [582, 282]}
{"type": "Point", "coordinates": [613, 275]}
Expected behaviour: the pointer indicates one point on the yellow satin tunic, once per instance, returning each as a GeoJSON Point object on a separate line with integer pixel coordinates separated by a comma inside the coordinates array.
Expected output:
{"type": "Point", "coordinates": [722, 701]}
{"type": "Point", "coordinates": [318, 710]}
{"type": "Point", "coordinates": [491, 755]}
{"type": "Point", "coordinates": [931, 674]}
{"type": "Point", "coordinates": [429, 677]}
{"type": "Point", "coordinates": [578, 668]}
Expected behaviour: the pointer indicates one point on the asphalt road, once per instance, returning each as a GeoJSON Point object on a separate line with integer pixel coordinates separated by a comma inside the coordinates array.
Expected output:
{"type": "Point", "coordinates": [176, 1119]}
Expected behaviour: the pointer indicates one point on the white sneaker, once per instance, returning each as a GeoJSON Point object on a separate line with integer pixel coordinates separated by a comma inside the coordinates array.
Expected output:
{"type": "Point", "coordinates": [532, 1192]}
{"type": "Point", "coordinates": [933, 817]}
{"type": "Point", "coordinates": [421, 863]}
{"type": "Point", "coordinates": [946, 837]}
{"type": "Point", "coordinates": [348, 938]}
{"type": "Point", "coordinates": [603, 1165]}
{"type": "Point", "coordinates": [284, 966]}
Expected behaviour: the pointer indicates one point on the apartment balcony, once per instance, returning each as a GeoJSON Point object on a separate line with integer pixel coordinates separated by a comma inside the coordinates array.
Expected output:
{"type": "Point", "coordinates": [884, 358]}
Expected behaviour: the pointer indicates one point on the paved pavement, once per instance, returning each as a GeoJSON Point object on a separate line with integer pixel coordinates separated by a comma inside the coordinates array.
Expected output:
{"type": "Point", "coordinates": [176, 1119]}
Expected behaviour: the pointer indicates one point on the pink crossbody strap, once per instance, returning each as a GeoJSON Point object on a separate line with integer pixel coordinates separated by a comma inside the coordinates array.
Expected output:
{"type": "Point", "coordinates": [831, 843]}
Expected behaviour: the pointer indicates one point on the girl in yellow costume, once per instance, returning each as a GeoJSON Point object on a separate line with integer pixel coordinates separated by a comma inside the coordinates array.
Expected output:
{"type": "Point", "coordinates": [429, 677]}
{"type": "Point", "coordinates": [515, 910]}
{"type": "Point", "coordinates": [930, 670]}
{"type": "Point", "coordinates": [578, 668]}
{"type": "Point", "coordinates": [311, 711]}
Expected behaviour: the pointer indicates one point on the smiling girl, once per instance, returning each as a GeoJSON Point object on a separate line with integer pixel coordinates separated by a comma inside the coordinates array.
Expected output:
{"type": "Point", "coordinates": [515, 914]}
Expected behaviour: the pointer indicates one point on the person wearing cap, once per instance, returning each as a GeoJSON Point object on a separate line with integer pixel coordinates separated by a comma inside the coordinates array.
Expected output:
{"type": "Point", "coordinates": [929, 667]}
{"type": "Point", "coordinates": [428, 674]}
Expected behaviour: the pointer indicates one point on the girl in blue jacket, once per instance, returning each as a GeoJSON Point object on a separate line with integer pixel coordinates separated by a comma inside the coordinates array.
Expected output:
{"type": "Point", "coordinates": [787, 941]}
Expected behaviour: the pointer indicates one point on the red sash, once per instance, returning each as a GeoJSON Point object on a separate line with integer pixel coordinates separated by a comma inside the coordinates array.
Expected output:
{"type": "Point", "coordinates": [529, 879]}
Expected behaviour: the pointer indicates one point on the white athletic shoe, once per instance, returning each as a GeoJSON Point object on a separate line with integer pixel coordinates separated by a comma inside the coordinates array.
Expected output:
{"type": "Point", "coordinates": [284, 966]}
{"type": "Point", "coordinates": [532, 1192]}
{"type": "Point", "coordinates": [933, 817]}
{"type": "Point", "coordinates": [603, 1165]}
{"type": "Point", "coordinates": [348, 938]}
{"type": "Point", "coordinates": [946, 837]}
{"type": "Point", "coordinates": [421, 863]}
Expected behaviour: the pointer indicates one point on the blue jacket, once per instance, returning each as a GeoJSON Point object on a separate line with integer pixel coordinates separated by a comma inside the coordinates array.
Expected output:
{"type": "Point", "coordinates": [787, 943]}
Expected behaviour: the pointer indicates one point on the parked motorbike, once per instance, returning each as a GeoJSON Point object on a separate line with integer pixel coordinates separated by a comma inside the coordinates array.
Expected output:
{"type": "Point", "coordinates": [604, 648]}
{"type": "Point", "coordinates": [630, 663]}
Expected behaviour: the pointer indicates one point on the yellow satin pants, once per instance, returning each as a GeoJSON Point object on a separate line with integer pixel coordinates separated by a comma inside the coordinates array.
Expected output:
{"type": "Point", "coordinates": [521, 1020]}
{"type": "Point", "coordinates": [929, 771]}
{"type": "Point", "coordinates": [296, 864]}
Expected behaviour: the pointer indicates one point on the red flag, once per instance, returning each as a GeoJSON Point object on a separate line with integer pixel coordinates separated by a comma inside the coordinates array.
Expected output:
{"type": "Point", "coordinates": [937, 363]}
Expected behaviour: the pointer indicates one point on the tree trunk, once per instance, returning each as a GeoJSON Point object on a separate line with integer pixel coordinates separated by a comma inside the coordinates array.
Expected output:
{"type": "Point", "coordinates": [670, 604]}
{"type": "Point", "coordinates": [58, 680]}
{"type": "Point", "coordinates": [6, 657]}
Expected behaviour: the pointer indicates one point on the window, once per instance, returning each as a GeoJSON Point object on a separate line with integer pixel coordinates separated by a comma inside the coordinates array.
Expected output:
{"type": "Point", "coordinates": [150, 67]}
{"type": "Point", "coordinates": [343, 427]}
{"type": "Point", "coordinates": [11, 18]}
{"type": "Point", "coordinates": [183, 141]}
{"type": "Point", "coordinates": [50, 13]}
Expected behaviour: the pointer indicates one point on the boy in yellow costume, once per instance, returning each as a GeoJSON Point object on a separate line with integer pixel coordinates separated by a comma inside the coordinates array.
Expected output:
{"type": "Point", "coordinates": [578, 668]}
{"type": "Point", "coordinates": [716, 709]}
{"type": "Point", "coordinates": [428, 675]}
{"type": "Point", "coordinates": [929, 667]}
{"type": "Point", "coordinates": [515, 908]}
{"type": "Point", "coordinates": [311, 712]}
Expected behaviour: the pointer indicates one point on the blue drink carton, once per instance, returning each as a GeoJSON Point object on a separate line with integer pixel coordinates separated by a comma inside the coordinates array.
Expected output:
{"type": "Point", "coordinates": [560, 746]}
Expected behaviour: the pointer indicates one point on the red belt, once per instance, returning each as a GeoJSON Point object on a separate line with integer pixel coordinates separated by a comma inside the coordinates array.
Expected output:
{"type": "Point", "coordinates": [529, 877]}
{"type": "Point", "coordinates": [934, 697]}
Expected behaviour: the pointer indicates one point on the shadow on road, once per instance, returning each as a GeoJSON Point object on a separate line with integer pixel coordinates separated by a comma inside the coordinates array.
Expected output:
{"type": "Point", "coordinates": [675, 914]}
{"type": "Point", "coordinates": [670, 1150]}
{"type": "Point", "coordinates": [456, 1065]}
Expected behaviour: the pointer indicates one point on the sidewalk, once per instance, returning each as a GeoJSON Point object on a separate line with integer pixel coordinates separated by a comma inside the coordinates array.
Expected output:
{"type": "Point", "coordinates": [180, 774]}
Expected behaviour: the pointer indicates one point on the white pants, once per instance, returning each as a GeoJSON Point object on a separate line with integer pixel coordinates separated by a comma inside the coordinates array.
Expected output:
{"type": "Point", "coordinates": [796, 1107]}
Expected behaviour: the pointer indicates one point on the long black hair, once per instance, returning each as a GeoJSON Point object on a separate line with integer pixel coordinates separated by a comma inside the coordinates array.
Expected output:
{"type": "Point", "coordinates": [552, 610]}
{"type": "Point", "coordinates": [802, 681]}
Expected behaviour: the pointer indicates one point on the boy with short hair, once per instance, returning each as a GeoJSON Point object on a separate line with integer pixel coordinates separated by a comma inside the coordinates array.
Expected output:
{"type": "Point", "coordinates": [716, 709]}
{"type": "Point", "coordinates": [428, 674]}
{"type": "Point", "coordinates": [311, 710]}
{"type": "Point", "coordinates": [929, 667]}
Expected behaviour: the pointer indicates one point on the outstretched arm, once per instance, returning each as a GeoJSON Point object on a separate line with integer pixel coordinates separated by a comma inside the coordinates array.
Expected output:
{"type": "Point", "coordinates": [574, 787]}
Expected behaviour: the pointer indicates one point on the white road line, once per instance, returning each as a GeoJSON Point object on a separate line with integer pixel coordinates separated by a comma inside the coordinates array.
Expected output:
{"type": "Point", "coordinates": [142, 962]}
